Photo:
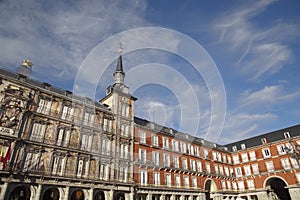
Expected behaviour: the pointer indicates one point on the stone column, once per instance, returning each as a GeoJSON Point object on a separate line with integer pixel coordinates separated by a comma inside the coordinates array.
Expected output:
{"type": "Point", "coordinates": [181, 197]}
{"type": "Point", "coordinates": [149, 196]}
{"type": "Point", "coordinates": [3, 190]}
{"type": "Point", "coordinates": [109, 195]}
{"type": "Point", "coordinates": [162, 197]}
{"type": "Point", "coordinates": [38, 192]}
{"type": "Point", "coordinates": [172, 197]}
{"type": "Point", "coordinates": [294, 193]}
{"type": "Point", "coordinates": [66, 193]}
{"type": "Point", "coordinates": [91, 194]}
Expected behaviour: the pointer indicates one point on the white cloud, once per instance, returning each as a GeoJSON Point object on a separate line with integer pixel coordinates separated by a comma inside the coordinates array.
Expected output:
{"type": "Point", "coordinates": [57, 35]}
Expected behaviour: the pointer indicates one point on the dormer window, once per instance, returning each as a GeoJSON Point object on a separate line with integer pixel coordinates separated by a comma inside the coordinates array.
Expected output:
{"type": "Point", "coordinates": [234, 148]}
{"type": "Point", "coordinates": [264, 141]}
{"type": "Point", "coordinates": [243, 146]}
{"type": "Point", "coordinates": [286, 135]}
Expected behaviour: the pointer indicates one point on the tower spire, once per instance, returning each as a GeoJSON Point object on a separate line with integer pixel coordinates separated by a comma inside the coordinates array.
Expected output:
{"type": "Point", "coordinates": [119, 73]}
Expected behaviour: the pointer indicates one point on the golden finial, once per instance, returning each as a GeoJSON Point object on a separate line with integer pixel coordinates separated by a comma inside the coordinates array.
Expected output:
{"type": "Point", "coordinates": [27, 63]}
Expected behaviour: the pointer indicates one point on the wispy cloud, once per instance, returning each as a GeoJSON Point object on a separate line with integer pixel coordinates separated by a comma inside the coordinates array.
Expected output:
{"type": "Point", "coordinates": [259, 51]}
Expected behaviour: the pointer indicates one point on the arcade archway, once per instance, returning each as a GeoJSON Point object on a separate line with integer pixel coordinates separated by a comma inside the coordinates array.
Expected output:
{"type": "Point", "coordinates": [99, 195]}
{"type": "Point", "coordinates": [119, 196]}
{"type": "Point", "coordinates": [51, 194]}
{"type": "Point", "coordinates": [77, 195]}
{"type": "Point", "coordinates": [276, 189]}
{"type": "Point", "coordinates": [21, 192]}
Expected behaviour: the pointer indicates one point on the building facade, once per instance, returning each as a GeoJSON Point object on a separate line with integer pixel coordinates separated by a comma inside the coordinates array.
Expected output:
{"type": "Point", "coordinates": [57, 145]}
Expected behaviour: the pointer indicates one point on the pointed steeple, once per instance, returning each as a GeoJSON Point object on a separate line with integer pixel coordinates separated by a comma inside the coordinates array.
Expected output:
{"type": "Point", "coordinates": [119, 73]}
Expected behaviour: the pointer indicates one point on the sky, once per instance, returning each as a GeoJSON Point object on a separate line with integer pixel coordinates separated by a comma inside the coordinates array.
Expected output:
{"type": "Point", "coordinates": [216, 70]}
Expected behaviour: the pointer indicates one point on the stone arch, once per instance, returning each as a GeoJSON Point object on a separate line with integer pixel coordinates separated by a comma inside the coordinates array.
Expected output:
{"type": "Point", "coordinates": [210, 186]}
{"type": "Point", "coordinates": [20, 192]}
{"type": "Point", "coordinates": [276, 188]}
{"type": "Point", "coordinates": [51, 193]}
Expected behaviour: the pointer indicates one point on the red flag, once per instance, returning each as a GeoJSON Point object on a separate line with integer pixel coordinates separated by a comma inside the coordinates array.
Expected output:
{"type": "Point", "coordinates": [7, 156]}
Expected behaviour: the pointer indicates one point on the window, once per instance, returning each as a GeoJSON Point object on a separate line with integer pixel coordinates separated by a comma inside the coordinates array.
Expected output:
{"type": "Point", "coordinates": [234, 185]}
{"type": "Point", "coordinates": [142, 137]}
{"type": "Point", "coordinates": [88, 119]}
{"type": "Point", "coordinates": [255, 169]}
{"type": "Point", "coordinates": [175, 145]}
{"type": "Point", "coordinates": [31, 161]}
{"type": "Point", "coordinates": [270, 166]}
{"type": "Point", "coordinates": [165, 143]}
{"type": "Point", "coordinates": [224, 158]}
{"type": "Point", "coordinates": [286, 135]}
{"type": "Point", "coordinates": [197, 153]}
{"type": "Point", "coordinates": [234, 148]}
{"type": "Point", "coordinates": [221, 170]}
{"type": "Point", "coordinates": [241, 185]}
{"type": "Point", "coordinates": [177, 180]}
{"type": "Point", "coordinates": [155, 140]}
{"type": "Point", "coordinates": [186, 181]}
{"type": "Point", "coordinates": [67, 112]}
{"type": "Point", "coordinates": [38, 131]}
{"type": "Point", "coordinates": [184, 163]}
{"type": "Point", "coordinates": [229, 185]}
{"type": "Point", "coordinates": [252, 155]}
{"type": "Point", "coordinates": [44, 106]}
{"type": "Point", "coordinates": [191, 150]}
{"type": "Point", "coordinates": [193, 165]}
{"type": "Point", "coordinates": [243, 146]}
{"type": "Point", "coordinates": [264, 141]}
{"type": "Point", "coordinates": [183, 147]}
{"type": "Point", "coordinates": [124, 129]}
{"type": "Point", "coordinates": [155, 158]}
{"type": "Point", "coordinates": [207, 165]}
{"type": "Point", "coordinates": [236, 159]}
{"type": "Point", "coordinates": [105, 146]}
{"type": "Point", "coordinates": [82, 169]}
{"type": "Point", "coordinates": [281, 149]}
{"type": "Point", "coordinates": [226, 171]}
{"type": "Point", "coordinates": [266, 153]}
{"type": "Point", "coordinates": [167, 160]}
{"type": "Point", "coordinates": [156, 179]}
{"type": "Point", "coordinates": [223, 183]}
{"type": "Point", "coordinates": [229, 159]}
{"type": "Point", "coordinates": [122, 173]}
{"type": "Point", "coordinates": [86, 141]}
{"type": "Point", "coordinates": [199, 166]}
{"type": "Point", "coordinates": [107, 124]}
{"type": "Point", "coordinates": [285, 163]}
{"type": "Point", "coordinates": [295, 163]}
{"type": "Point", "coordinates": [214, 155]}
{"type": "Point", "coordinates": [176, 161]}
{"type": "Point", "coordinates": [247, 170]}
{"type": "Point", "coordinates": [104, 171]}
{"type": "Point", "coordinates": [238, 172]}
{"type": "Point", "coordinates": [142, 156]}
{"type": "Point", "coordinates": [298, 177]}
{"type": "Point", "coordinates": [205, 152]}
{"type": "Point", "coordinates": [124, 151]}
{"type": "Point", "coordinates": [216, 167]}
{"type": "Point", "coordinates": [245, 157]}
{"type": "Point", "coordinates": [143, 177]}
{"type": "Point", "coordinates": [250, 183]}
{"type": "Point", "coordinates": [194, 181]}
{"type": "Point", "coordinates": [168, 180]}
{"type": "Point", "coordinates": [219, 158]}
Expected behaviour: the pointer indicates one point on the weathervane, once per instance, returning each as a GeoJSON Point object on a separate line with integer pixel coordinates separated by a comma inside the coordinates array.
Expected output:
{"type": "Point", "coordinates": [121, 48]}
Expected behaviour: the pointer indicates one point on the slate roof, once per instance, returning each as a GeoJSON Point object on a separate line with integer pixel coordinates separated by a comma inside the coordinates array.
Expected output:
{"type": "Point", "coordinates": [273, 136]}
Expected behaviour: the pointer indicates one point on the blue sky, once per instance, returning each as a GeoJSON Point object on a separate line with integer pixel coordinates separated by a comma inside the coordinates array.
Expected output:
{"type": "Point", "coordinates": [254, 45]}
